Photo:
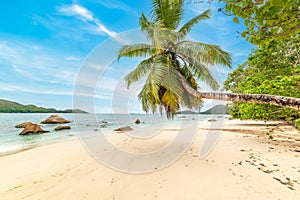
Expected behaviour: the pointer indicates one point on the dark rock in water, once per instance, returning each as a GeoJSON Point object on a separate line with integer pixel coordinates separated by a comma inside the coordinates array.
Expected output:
{"type": "Point", "coordinates": [137, 121]}
{"type": "Point", "coordinates": [55, 119]}
{"type": "Point", "coordinates": [103, 125]}
{"type": "Point", "coordinates": [125, 128]}
{"type": "Point", "coordinates": [104, 122]}
{"type": "Point", "coordinates": [212, 120]}
{"type": "Point", "coordinates": [32, 129]}
{"type": "Point", "coordinates": [62, 128]}
{"type": "Point", "coordinates": [22, 125]}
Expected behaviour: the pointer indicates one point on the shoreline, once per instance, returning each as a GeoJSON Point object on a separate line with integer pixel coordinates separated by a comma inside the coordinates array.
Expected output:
{"type": "Point", "coordinates": [228, 128]}
{"type": "Point", "coordinates": [37, 145]}
{"type": "Point", "coordinates": [66, 170]}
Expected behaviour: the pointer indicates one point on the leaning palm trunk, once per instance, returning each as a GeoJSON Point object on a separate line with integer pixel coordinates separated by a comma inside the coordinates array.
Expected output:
{"type": "Point", "coordinates": [288, 102]}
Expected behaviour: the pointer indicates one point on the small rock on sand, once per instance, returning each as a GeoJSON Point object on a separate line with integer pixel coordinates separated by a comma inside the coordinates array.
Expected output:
{"type": "Point", "coordinates": [297, 150]}
{"type": "Point", "coordinates": [124, 129]}
{"type": "Point", "coordinates": [212, 120]}
{"type": "Point", "coordinates": [62, 128]}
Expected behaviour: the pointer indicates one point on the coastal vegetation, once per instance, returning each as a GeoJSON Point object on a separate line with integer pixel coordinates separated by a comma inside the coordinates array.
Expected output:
{"type": "Point", "coordinates": [271, 69]}
{"type": "Point", "coordinates": [274, 66]}
{"type": "Point", "coordinates": [14, 107]}
{"type": "Point", "coordinates": [265, 21]}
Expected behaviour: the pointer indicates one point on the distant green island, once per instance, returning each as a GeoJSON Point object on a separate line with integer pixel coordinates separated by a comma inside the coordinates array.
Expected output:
{"type": "Point", "coordinates": [218, 109]}
{"type": "Point", "coordinates": [14, 107]}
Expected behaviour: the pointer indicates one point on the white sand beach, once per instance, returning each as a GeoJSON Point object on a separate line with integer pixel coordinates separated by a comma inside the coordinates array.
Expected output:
{"type": "Point", "coordinates": [245, 164]}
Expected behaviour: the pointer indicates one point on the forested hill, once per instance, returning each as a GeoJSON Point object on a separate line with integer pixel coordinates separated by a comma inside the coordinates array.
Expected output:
{"type": "Point", "coordinates": [14, 107]}
{"type": "Point", "coordinates": [218, 109]}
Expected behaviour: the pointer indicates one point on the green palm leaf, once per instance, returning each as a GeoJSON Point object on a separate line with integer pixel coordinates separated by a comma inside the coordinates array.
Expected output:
{"type": "Point", "coordinates": [186, 28]}
{"type": "Point", "coordinates": [167, 13]}
{"type": "Point", "coordinates": [136, 50]}
{"type": "Point", "coordinates": [140, 71]}
{"type": "Point", "coordinates": [201, 72]}
{"type": "Point", "coordinates": [204, 53]}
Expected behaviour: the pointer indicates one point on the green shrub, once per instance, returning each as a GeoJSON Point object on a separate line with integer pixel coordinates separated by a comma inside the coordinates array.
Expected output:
{"type": "Point", "coordinates": [297, 123]}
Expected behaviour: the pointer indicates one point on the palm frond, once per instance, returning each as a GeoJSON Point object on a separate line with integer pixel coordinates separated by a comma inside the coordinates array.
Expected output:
{"type": "Point", "coordinates": [189, 101]}
{"type": "Point", "coordinates": [171, 103]}
{"type": "Point", "coordinates": [186, 28]}
{"type": "Point", "coordinates": [161, 78]}
{"type": "Point", "coordinates": [205, 53]}
{"type": "Point", "coordinates": [167, 13]}
{"type": "Point", "coordinates": [144, 22]}
{"type": "Point", "coordinates": [148, 97]}
{"type": "Point", "coordinates": [172, 80]}
{"type": "Point", "coordinates": [136, 50]}
{"type": "Point", "coordinates": [197, 69]}
{"type": "Point", "coordinates": [140, 71]}
{"type": "Point", "coordinates": [201, 72]}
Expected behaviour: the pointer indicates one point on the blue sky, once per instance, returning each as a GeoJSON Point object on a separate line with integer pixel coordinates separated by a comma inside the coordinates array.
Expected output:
{"type": "Point", "coordinates": [43, 45]}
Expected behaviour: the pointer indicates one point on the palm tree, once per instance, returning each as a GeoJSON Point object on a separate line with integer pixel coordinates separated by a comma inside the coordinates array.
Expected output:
{"type": "Point", "coordinates": [172, 63]}
{"type": "Point", "coordinates": [171, 59]}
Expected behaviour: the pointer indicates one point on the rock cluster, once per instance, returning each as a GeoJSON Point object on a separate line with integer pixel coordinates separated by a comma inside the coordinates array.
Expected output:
{"type": "Point", "coordinates": [31, 128]}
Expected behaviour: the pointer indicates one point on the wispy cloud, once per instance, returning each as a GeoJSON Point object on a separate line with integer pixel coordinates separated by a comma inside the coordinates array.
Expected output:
{"type": "Point", "coordinates": [37, 63]}
{"type": "Point", "coordinates": [85, 15]}
{"type": "Point", "coordinates": [49, 91]}
{"type": "Point", "coordinates": [35, 90]}
{"type": "Point", "coordinates": [74, 9]}
{"type": "Point", "coordinates": [114, 4]}
{"type": "Point", "coordinates": [72, 58]}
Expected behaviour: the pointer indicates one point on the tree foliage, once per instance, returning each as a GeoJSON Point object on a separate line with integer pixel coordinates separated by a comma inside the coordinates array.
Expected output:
{"type": "Point", "coordinates": [271, 69]}
{"type": "Point", "coordinates": [170, 59]}
{"type": "Point", "coordinates": [265, 20]}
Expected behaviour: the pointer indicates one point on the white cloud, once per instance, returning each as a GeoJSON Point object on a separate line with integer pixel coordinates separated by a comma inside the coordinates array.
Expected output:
{"type": "Point", "coordinates": [104, 29]}
{"type": "Point", "coordinates": [86, 16]}
{"type": "Point", "coordinates": [33, 89]}
{"type": "Point", "coordinates": [74, 9]}
{"type": "Point", "coordinates": [114, 4]}
{"type": "Point", "coordinates": [72, 58]}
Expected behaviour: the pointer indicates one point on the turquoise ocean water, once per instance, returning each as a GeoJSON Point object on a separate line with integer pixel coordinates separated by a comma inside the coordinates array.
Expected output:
{"type": "Point", "coordinates": [11, 141]}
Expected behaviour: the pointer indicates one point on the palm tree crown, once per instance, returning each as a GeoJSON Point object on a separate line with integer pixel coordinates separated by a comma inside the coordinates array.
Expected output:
{"type": "Point", "coordinates": [171, 59]}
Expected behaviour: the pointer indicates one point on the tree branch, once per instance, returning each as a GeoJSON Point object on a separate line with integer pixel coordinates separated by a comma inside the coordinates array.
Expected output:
{"type": "Point", "coordinates": [288, 102]}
